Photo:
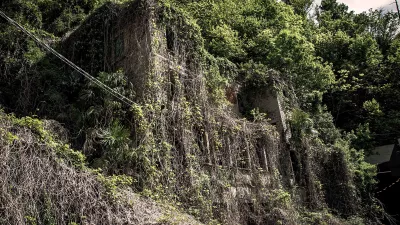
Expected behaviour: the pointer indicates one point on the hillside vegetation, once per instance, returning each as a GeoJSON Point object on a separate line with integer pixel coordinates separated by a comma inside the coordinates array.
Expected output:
{"type": "Point", "coordinates": [74, 154]}
{"type": "Point", "coordinates": [44, 181]}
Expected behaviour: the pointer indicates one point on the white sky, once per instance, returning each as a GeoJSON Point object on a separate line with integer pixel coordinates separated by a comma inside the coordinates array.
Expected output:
{"type": "Point", "coordinates": [364, 5]}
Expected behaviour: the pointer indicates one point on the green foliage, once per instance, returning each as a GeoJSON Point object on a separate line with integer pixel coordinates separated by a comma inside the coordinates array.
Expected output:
{"type": "Point", "coordinates": [256, 75]}
{"type": "Point", "coordinates": [220, 71]}
{"type": "Point", "coordinates": [116, 136]}
{"type": "Point", "coordinates": [280, 198]}
{"type": "Point", "coordinates": [63, 150]}
{"type": "Point", "coordinates": [301, 123]}
{"type": "Point", "coordinates": [348, 61]}
{"type": "Point", "coordinates": [358, 47]}
{"type": "Point", "coordinates": [362, 138]}
{"type": "Point", "coordinates": [301, 7]}
{"type": "Point", "coordinates": [30, 220]}
{"type": "Point", "coordinates": [113, 183]}
{"type": "Point", "coordinates": [76, 158]}
{"type": "Point", "coordinates": [225, 42]}
{"type": "Point", "coordinates": [8, 136]}
{"type": "Point", "coordinates": [48, 216]}
{"type": "Point", "coordinates": [324, 127]}
{"type": "Point", "coordinates": [262, 32]}
{"type": "Point", "coordinates": [322, 218]}
{"type": "Point", "coordinates": [257, 115]}
{"type": "Point", "coordinates": [372, 107]}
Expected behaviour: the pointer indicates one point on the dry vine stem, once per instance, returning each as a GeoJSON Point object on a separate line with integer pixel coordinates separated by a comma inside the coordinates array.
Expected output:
{"type": "Point", "coordinates": [39, 187]}
{"type": "Point", "coordinates": [185, 144]}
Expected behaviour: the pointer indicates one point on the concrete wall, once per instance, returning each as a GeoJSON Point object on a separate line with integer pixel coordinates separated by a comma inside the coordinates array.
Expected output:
{"type": "Point", "coordinates": [123, 33]}
{"type": "Point", "coordinates": [87, 45]}
{"type": "Point", "coordinates": [270, 102]}
{"type": "Point", "coordinates": [130, 45]}
{"type": "Point", "coordinates": [147, 51]}
{"type": "Point", "coordinates": [380, 154]}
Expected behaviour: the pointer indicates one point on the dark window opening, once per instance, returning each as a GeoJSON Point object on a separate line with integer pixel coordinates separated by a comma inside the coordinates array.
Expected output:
{"type": "Point", "coordinates": [296, 165]}
{"type": "Point", "coordinates": [172, 83]}
{"type": "Point", "coordinates": [119, 46]}
{"type": "Point", "coordinates": [170, 35]}
{"type": "Point", "coordinates": [244, 157]}
{"type": "Point", "coordinates": [261, 155]}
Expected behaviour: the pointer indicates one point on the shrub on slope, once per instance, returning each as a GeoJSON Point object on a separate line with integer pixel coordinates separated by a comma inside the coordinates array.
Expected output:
{"type": "Point", "coordinates": [43, 181]}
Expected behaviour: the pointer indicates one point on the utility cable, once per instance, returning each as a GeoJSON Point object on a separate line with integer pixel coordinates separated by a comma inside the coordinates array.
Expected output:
{"type": "Point", "coordinates": [116, 94]}
{"type": "Point", "coordinates": [384, 189]}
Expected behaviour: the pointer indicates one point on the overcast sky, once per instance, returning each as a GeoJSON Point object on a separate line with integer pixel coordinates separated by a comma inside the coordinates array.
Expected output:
{"type": "Point", "coordinates": [364, 5]}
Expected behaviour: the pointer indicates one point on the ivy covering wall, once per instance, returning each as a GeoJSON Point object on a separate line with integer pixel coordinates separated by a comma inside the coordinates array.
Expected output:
{"type": "Point", "coordinates": [181, 144]}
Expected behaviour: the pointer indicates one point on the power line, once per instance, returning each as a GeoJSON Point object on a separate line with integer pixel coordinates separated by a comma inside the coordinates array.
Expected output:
{"type": "Point", "coordinates": [398, 180]}
{"type": "Point", "coordinates": [114, 93]}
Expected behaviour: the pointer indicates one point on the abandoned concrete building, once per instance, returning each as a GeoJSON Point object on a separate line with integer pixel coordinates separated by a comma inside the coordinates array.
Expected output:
{"type": "Point", "coordinates": [133, 40]}
{"type": "Point", "coordinates": [386, 158]}
{"type": "Point", "coordinates": [136, 44]}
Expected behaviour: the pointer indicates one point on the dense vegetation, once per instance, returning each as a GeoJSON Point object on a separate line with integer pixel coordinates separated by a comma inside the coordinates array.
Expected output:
{"type": "Point", "coordinates": [346, 61]}
{"type": "Point", "coordinates": [338, 72]}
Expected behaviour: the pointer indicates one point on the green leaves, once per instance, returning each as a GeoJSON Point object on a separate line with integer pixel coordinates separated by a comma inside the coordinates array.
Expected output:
{"type": "Point", "coordinates": [364, 52]}
{"type": "Point", "coordinates": [358, 48]}
{"type": "Point", "coordinates": [301, 123]}
{"type": "Point", "coordinates": [116, 136]}
{"type": "Point", "coordinates": [34, 54]}
{"type": "Point", "coordinates": [263, 32]}
{"type": "Point", "coordinates": [225, 42]}
{"type": "Point", "coordinates": [372, 107]}
{"type": "Point", "coordinates": [301, 7]}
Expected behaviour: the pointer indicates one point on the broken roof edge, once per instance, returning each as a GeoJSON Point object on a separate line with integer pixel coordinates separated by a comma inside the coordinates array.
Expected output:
{"type": "Point", "coordinates": [380, 154]}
